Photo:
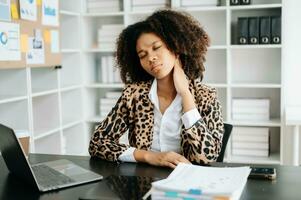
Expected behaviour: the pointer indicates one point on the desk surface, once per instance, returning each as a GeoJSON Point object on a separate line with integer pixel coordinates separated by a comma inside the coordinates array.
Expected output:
{"type": "Point", "coordinates": [287, 185]}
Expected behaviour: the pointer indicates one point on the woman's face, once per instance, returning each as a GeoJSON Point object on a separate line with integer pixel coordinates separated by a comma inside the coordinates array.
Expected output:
{"type": "Point", "coordinates": [154, 56]}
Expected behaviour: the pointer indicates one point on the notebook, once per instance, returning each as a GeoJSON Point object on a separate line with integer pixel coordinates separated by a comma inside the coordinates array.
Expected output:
{"type": "Point", "coordinates": [199, 182]}
{"type": "Point", "coordinates": [42, 176]}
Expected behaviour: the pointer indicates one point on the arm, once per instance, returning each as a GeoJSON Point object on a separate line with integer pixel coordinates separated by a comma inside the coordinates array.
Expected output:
{"type": "Point", "coordinates": [105, 140]}
{"type": "Point", "coordinates": [201, 143]}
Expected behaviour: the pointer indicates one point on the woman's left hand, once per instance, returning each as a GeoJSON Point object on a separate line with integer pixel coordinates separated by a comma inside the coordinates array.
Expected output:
{"type": "Point", "coordinates": [179, 78]}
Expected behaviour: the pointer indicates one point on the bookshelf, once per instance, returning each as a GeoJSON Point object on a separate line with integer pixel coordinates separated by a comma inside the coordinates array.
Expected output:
{"type": "Point", "coordinates": [71, 95]}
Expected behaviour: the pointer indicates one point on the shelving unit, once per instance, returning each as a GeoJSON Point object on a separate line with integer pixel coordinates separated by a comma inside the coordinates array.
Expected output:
{"type": "Point", "coordinates": [70, 96]}
{"type": "Point", "coordinates": [235, 70]}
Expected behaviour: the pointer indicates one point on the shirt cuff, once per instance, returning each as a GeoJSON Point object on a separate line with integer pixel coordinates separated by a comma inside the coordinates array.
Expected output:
{"type": "Point", "coordinates": [190, 118]}
{"type": "Point", "coordinates": [128, 155]}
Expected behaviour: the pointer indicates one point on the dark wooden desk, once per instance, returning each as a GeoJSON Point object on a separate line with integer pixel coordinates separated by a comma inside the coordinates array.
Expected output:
{"type": "Point", "coordinates": [287, 186]}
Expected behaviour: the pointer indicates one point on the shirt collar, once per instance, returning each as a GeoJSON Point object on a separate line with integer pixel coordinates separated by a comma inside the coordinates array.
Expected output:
{"type": "Point", "coordinates": [153, 96]}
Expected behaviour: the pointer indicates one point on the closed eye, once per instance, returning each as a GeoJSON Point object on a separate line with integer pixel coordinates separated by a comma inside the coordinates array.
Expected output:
{"type": "Point", "coordinates": [157, 47]}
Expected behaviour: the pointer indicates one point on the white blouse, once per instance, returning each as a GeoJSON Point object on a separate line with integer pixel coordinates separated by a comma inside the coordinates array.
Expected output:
{"type": "Point", "coordinates": [167, 127]}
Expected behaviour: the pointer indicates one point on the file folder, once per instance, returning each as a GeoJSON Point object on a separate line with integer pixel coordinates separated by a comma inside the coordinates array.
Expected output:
{"type": "Point", "coordinates": [234, 2]}
{"type": "Point", "coordinates": [253, 30]}
{"type": "Point", "coordinates": [265, 31]}
{"type": "Point", "coordinates": [245, 2]}
{"type": "Point", "coordinates": [276, 29]}
{"type": "Point", "coordinates": [243, 29]}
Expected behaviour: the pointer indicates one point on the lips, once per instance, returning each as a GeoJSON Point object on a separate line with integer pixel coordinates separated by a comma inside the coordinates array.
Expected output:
{"type": "Point", "coordinates": [155, 67]}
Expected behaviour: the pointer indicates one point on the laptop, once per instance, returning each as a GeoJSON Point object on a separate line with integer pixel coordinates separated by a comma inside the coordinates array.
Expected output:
{"type": "Point", "coordinates": [45, 176]}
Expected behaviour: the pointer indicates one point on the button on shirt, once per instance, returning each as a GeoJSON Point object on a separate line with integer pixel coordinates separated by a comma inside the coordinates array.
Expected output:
{"type": "Point", "coordinates": [167, 126]}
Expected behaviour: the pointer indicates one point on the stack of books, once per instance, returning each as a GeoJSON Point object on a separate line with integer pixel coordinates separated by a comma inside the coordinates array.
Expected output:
{"type": "Point", "coordinates": [100, 6]}
{"type": "Point", "coordinates": [255, 109]}
{"type": "Point", "coordinates": [250, 141]}
{"type": "Point", "coordinates": [193, 3]}
{"type": "Point", "coordinates": [107, 36]}
{"type": "Point", "coordinates": [149, 5]}
{"type": "Point", "coordinates": [191, 182]}
{"type": "Point", "coordinates": [108, 102]}
{"type": "Point", "coordinates": [109, 73]}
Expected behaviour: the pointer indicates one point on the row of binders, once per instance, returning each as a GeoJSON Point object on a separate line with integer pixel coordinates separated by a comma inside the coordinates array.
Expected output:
{"type": "Point", "coordinates": [259, 30]}
{"type": "Point", "coordinates": [107, 72]}
{"type": "Point", "coordinates": [250, 141]}
{"type": "Point", "coordinates": [108, 102]}
{"type": "Point", "coordinates": [100, 6]}
{"type": "Point", "coordinates": [147, 5]}
{"type": "Point", "coordinates": [250, 109]}
{"type": "Point", "coordinates": [107, 36]}
{"type": "Point", "coordinates": [193, 3]}
{"type": "Point", "coordinates": [240, 2]}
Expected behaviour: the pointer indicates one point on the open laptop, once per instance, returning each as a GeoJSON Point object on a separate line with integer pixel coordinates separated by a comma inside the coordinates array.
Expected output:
{"type": "Point", "coordinates": [43, 176]}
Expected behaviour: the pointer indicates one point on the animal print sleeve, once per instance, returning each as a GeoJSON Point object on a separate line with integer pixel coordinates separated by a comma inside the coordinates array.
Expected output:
{"type": "Point", "coordinates": [202, 142]}
{"type": "Point", "coordinates": [105, 140]}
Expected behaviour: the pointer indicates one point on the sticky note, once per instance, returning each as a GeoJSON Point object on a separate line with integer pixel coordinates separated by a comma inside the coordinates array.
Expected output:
{"type": "Point", "coordinates": [14, 11]}
{"type": "Point", "coordinates": [24, 43]}
{"type": "Point", "coordinates": [39, 2]}
{"type": "Point", "coordinates": [47, 36]}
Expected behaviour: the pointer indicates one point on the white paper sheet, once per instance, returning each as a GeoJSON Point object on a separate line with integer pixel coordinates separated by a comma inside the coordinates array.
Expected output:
{"type": "Point", "coordinates": [9, 42]}
{"type": "Point", "coordinates": [28, 9]}
{"type": "Point", "coordinates": [55, 42]}
{"type": "Point", "coordinates": [5, 10]}
{"type": "Point", "coordinates": [209, 180]}
{"type": "Point", "coordinates": [50, 15]}
{"type": "Point", "coordinates": [35, 54]}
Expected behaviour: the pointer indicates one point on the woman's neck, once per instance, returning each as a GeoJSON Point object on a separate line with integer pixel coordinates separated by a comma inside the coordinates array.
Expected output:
{"type": "Point", "coordinates": [166, 87]}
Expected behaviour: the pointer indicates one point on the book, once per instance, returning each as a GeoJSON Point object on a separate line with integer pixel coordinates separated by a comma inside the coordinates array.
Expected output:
{"type": "Point", "coordinates": [250, 145]}
{"type": "Point", "coordinates": [250, 117]}
{"type": "Point", "coordinates": [251, 152]}
{"type": "Point", "coordinates": [241, 130]}
{"type": "Point", "coordinates": [249, 138]}
{"type": "Point", "coordinates": [188, 3]}
{"type": "Point", "coordinates": [191, 182]}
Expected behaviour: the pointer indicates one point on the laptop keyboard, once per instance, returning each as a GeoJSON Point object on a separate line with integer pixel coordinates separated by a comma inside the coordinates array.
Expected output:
{"type": "Point", "coordinates": [48, 177]}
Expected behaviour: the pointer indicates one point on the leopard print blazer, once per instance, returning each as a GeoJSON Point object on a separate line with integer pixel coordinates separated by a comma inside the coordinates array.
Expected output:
{"type": "Point", "coordinates": [133, 112]}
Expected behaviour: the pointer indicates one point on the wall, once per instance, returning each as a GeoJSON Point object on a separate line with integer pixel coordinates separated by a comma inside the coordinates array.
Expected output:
{"type": "Point", "coordinates": [291, 62]}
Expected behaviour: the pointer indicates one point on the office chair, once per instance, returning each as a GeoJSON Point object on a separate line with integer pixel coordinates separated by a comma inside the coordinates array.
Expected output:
{"type": "Point", "coordinates": [227, 133]}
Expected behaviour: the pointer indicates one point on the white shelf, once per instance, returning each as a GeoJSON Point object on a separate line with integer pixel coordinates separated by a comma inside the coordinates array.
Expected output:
{"type": "Point", "coordinates": [44, 93]}
{"type": "Point", "coordinates": [46, 134]}
{"type": "Point", "coordinates": [7, 99]}
{"type": "Point", "coordinates": [105, 85]}
{"type": "Point", "coordinates": [71, 124]}
{"type": "Point", "coordinates": [97, 50]}
{"type": "Point", "coordinates": [74, 87]}
{"type": "Point", "coordinates": [95, 119]}
{"type": "Point", "coordinates": [69, 13]}
{"type": "Point", "coordinates": [259, 46]}
{"type": "Point", "coordinates": [70, 50]}
{"type": "Point", "coordinates": [256, 7]}
{"type": "Point", "coordinates": [50, 144]}
{"type": "Point", "coordinates": [105, 14]}
{"type": "Point", "coordinates": [204, 8]}
{"type": "Point", "coordinates": [270, 123]}
{"type": "Point", "coordinates": [254, 85]}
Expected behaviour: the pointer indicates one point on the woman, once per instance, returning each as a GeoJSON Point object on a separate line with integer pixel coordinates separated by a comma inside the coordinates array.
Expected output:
{"type": "Point", "coordinates": [169, 114]}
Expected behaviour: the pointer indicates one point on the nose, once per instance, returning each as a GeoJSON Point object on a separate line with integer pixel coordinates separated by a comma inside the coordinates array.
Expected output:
{"type": "Point", "coordinates": [152, 58]}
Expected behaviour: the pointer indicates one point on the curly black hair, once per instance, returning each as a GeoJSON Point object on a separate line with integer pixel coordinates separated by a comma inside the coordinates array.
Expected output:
{"type": "Point", "coordinates": [182, 34]}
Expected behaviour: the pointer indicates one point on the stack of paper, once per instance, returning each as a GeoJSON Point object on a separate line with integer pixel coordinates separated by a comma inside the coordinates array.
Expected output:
{"type": "Point", "coordinates": [193, 3]}
{"type": "Point", "coordinates": [101, 6]}
{"type": "Point", "coordinates": [251, 109]}
{"type": "Point", "coordinates": [107, 36]}
{"type": "Point", "coordinates": [197, 182]}
{"type": "Point", "coordinates": [250, 141]}
{"type": "Point", "coordinates": [149, 5]}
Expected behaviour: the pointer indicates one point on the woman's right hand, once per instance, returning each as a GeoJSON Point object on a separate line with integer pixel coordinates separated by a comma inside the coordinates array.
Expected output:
{"type": "Point", "coordinates": [166, 159]}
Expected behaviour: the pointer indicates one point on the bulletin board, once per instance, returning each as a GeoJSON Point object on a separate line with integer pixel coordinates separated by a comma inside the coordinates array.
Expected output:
{"type": "Point", "coordinates": [28, 29]}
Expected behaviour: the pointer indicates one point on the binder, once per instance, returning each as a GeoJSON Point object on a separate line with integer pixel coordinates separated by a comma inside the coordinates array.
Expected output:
{"type": "Point", "coordinates": [253, 30]}
{"type": "Point", "coordinates": [275, 30]}
{"type": "Point", "coordinates": [245, 2]}
{"type": "Point", "coordinates": [234, 2]}
{"type": "Point", "coordinates": [243, 29]}
{"type": "Point", "coordinates": [265, 31]}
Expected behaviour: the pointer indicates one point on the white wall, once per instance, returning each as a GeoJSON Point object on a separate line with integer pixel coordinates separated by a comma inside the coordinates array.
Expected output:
{"type": "Point", "coordinates": [291, 62]}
